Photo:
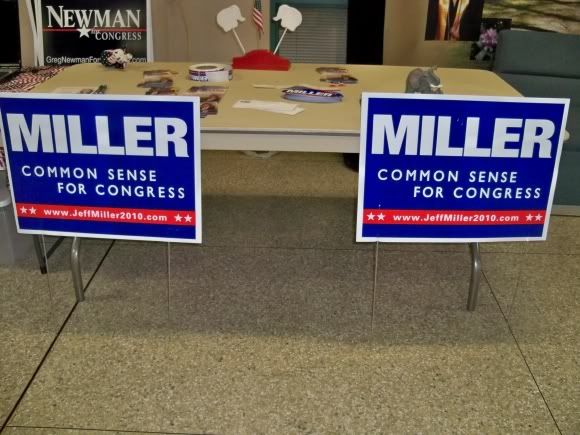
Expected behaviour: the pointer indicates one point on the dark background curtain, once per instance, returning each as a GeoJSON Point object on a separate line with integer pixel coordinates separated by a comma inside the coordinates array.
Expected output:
{"type": "Point", "coordinates": [366, 28]}
{"type": "Point", "coordinates": [366, 24]}
{"type": "Point", "coordinates": [9, 32]}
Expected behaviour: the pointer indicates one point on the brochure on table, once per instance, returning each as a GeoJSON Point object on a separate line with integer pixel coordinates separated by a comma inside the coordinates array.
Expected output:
{"type": "Point", "coordinates": [441, 168]}
{"type": "Point", "coordinates": [120, 167]}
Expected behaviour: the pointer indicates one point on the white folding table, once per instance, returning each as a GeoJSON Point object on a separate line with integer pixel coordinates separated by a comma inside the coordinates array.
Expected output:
{"type": "Point", "coordinates": [320, 128]}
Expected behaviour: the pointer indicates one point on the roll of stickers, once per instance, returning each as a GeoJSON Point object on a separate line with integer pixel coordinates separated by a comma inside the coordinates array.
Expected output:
{"type": "Point", "coordinates": [210, 72]}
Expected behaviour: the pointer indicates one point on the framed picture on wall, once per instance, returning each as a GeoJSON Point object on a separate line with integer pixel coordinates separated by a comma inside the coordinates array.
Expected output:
{"type": "Point", "coordinates": [453, 20]}
{"type": "Point", "coordinates": [561, 16]}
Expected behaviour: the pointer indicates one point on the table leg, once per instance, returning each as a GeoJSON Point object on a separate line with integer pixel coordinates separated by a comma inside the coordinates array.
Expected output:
{"type": "Point", "coordinates": [475, 276]}
{"type": "Point", "coordinates": [75, 264]}
{"type": "Point", "coordinates": [40, 256]}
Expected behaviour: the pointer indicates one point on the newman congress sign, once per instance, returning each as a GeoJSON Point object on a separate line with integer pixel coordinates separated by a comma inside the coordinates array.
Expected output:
{"type": "Point", "coordinates": [104, 166]}
{"type": "Point", "coordinates": [457, 169]}
{"type": "Point", "coordinates": [77, 31]}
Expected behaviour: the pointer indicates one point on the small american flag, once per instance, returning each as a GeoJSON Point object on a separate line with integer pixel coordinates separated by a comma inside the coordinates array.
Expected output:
{"type": "Point", "coordinates": [257, 16]}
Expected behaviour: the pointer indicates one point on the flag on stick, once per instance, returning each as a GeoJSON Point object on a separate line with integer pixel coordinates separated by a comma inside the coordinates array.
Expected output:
{"type": "Point", "coordinates": [258, 17]}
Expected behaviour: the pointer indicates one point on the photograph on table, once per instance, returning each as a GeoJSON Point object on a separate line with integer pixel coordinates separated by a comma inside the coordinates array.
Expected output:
{"type": "Point", "coordinates": [331, 70]}
{"type": "Point", "coordinates": [209, 97]}
{"type": "Point", "coordinates": [454, 20]}
{"type": "Point", "coordinates": [336, 75]}
{"type": "Point", "coordinates": [210, 94]}
{"type": "Point", "coordinates": [207, 108]}
{"type": "Point", "coordinates": [162, 91]}
{"type": "Point", "coordinates": [157, 79]}
{"type": "Point", "coordinates": [158, 74]}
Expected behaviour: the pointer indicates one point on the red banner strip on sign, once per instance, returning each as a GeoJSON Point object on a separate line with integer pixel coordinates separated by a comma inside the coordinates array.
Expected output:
{"type": "Point", "coordinates": [454, 217]}
{"type": "Point", "coordinates": [106, 214]}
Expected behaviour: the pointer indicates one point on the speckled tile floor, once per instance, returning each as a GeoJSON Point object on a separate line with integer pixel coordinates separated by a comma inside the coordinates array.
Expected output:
{"type": "Point", "coordinates": [269, 327]}
{"type": "Point", "coordinates": [32, 309]}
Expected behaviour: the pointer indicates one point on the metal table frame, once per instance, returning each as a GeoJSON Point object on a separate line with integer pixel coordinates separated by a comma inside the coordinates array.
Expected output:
{"type": "Point", "coordinates": [472, 298]}
{"type": "Point", "coordinates": [42, 255]}
{"type": "Point", "coordinates": [327, 128]}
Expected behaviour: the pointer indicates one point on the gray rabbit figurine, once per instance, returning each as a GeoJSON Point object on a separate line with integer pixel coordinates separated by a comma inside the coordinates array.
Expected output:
{"type": "Point", "coordinates": [420, 81]}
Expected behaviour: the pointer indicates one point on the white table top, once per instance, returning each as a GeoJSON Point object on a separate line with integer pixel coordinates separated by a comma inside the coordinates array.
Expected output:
{"type": "Point", "coordinates": [339, 118]}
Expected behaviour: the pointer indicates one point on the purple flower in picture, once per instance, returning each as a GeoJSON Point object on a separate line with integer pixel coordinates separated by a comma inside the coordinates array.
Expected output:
{"type": "Point", "coordinates": [488, 39]}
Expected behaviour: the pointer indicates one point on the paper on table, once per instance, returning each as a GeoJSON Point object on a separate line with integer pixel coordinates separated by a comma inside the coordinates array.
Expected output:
{"type": "Point", "coordinates": [269, 106]}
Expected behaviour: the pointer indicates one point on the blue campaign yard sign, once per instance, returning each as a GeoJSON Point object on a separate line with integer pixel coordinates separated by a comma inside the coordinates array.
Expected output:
{"type": "Point", "coordinates": [442, 168]}
{"type": "Point", "coordinates": [104, 166]}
